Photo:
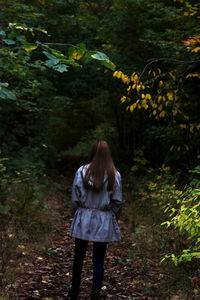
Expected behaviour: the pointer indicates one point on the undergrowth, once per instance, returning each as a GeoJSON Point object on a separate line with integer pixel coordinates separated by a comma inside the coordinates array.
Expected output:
{"type": "Point", "coordinates": [148, 195]}
{"type": "Point", "coordinates": [28, 211]}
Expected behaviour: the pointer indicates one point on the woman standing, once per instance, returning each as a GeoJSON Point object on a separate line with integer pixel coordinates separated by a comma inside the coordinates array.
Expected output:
{"type": "Point", "coordinates": [95, 206]}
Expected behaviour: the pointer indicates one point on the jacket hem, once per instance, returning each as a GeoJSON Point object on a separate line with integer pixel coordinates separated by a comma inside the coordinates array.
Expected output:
{"type": "Point", "coordinates": [95, 240]}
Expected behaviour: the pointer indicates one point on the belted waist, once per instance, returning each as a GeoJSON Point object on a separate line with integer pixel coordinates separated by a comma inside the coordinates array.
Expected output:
{"type": "Point", "coordinates": [96, 209]}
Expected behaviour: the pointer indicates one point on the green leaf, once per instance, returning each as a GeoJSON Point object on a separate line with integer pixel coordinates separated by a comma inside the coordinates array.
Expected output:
{"type": "Point", "coordinates": [9, 42]}
{"type": "Point", "coordinates": [4, 84]}
{"type": "Point", "coordinates": [70, 62]}
{"type": "Point", "coordinates": [61, 68]}
{"type": "Point", "coordinates": [101, 57]}
{"type": "Point", "coordinates": [50, 56]}
{"type": "Point", "coordinates": [50, 63]}
{"type": "Point", "coordinates": [7, 94]}
{"type": "Point", "coordinates": [21, 38]}
{"type": "Point", "coordinates": [58, 54]}
{"type": "Point", "coordinates": [109, 64]}
{"type": "Point", "coordinates": [29, 48]}
{"type": "Point", "coordinates": [81, 46]}
{"type": "Point", "coordinates": [42, 30]}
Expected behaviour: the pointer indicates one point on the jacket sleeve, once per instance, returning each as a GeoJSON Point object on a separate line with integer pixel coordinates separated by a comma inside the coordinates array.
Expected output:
{"type": "Point", "coordinates": [116, 197]}
{"type": "Point", "coordinates": [76, 194]}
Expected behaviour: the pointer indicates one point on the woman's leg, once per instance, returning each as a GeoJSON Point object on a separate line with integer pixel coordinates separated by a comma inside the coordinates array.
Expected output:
{"type": "Point", "coordinates": [99, 249]}
{"type": "Point", "coordinates": [79, 254]}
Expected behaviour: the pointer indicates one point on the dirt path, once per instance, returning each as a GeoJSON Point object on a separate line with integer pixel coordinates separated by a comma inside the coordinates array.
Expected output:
{"type": "Point", "coordinates": [127, 274]}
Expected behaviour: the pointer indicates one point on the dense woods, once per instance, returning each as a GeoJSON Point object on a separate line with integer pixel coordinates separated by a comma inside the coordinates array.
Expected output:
{"type": "Point", "coordinates": [123, 71]}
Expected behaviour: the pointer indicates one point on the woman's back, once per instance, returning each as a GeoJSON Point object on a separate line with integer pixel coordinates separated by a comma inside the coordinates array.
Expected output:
{"type": "Point", "coordinates": [95, 212]}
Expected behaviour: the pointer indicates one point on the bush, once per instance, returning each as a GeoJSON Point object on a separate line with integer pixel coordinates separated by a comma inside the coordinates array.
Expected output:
{"type": "Point", "coordinates": [185, 217]}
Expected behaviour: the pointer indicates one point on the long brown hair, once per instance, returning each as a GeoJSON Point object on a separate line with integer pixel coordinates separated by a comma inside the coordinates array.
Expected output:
{"type": "Point", "coordinates": [100, 163]}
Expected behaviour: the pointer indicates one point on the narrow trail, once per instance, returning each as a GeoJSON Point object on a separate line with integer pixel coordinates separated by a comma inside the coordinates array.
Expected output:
{"type": "Point", "coordinates": [48, 276]}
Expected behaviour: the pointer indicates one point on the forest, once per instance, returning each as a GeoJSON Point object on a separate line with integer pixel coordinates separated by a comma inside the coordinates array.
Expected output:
{"type": "Point", "coordinates": [123, 71]}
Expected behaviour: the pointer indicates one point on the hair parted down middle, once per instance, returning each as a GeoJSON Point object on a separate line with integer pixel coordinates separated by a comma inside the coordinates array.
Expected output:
{"type": "Point", "coordinates": [100, 164]}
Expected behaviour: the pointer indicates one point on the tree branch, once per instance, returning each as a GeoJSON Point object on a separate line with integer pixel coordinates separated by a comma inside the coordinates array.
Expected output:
{"type": "Point", "coordinates": [165, 60]}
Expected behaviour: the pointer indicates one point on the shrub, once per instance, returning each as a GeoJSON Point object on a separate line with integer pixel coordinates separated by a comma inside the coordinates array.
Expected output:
{"type": "Point", "coordinates": [184, 216]}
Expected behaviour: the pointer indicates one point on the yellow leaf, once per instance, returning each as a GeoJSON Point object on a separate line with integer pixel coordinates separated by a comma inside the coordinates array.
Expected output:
{"type": "Point", "coordinates": [123, 99]}
{"type": "Point", "coordinates": [179, 148]}
{"type": "Point", "coordinates": [172, 76]}
{"type": "Point", "coordinates": [135, 78]}
{"type": "Point", "coordinates": [183, 126]}
{"type": "Point", "coordinates": [138, 88]}
{"type": "Point", "coordinates": [148, 97]}
{"type": "Point", "coordinates": [125, 78]}
{"type": "Point", "coordinates": [159, 99]}
{"type": "Point", "coordinates": [154, 73]}
{"type": "Point", "coordinates": [139, 106]}
{"type": "Point", "coordinates": [117, 74]}
{"type": "Point", "coordinates": [196, 49]}
{"type": "Point", "coordinates": [193, 75]}
{"type": "Point", "coordinates": [132, 107]}
{"type": "Point", "coordinates": [128, 89]}
{"type": "Point", "coordinates": [76, 55]}
{"type": "Point", "coordinates": [186, 147]}
{"type": "Point", "coordinates": [122, 77]}
{"type": "Point", "coordinates": [160, 107]}
{"type": "Point", "coordinates": [21, 246]}
{"type": "Point", "coordinates": [143, 96]}
{"type": "Point", "coordinates": [154, 112]}
{"type": "Point", "coordinates": [162, 114]}
{"type": "Point", "coordinates": [132, 76]}
{"type": "Point", "coordinates": [160, 83]}
{"type": "Point", "coordinates": [192, 128]}
{"type": "Point", "coordinates": [170, 96]}
{"type": "Point", "coordinates": [171, 148]}
{"type": "Point", "coordinates": [133, 86]}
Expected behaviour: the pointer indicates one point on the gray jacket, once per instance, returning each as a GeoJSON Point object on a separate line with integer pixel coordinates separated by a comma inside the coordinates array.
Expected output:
{"type": "Point", "coordinates": [95, 214]}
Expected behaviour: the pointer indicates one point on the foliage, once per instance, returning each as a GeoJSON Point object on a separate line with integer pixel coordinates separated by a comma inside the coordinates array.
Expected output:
{"type": "Point", "coordinates": [167, 87]}
{"type": "Point", "coordinates": [25, 216]}
{"type": "Point", "coordinates": [103, 131]}
{"type": "Point", "coordinates": [184, 217]}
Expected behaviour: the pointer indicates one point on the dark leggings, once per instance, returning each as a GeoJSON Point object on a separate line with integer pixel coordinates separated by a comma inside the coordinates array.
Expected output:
{"type": "Point", "coordinates": [99, 249]}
